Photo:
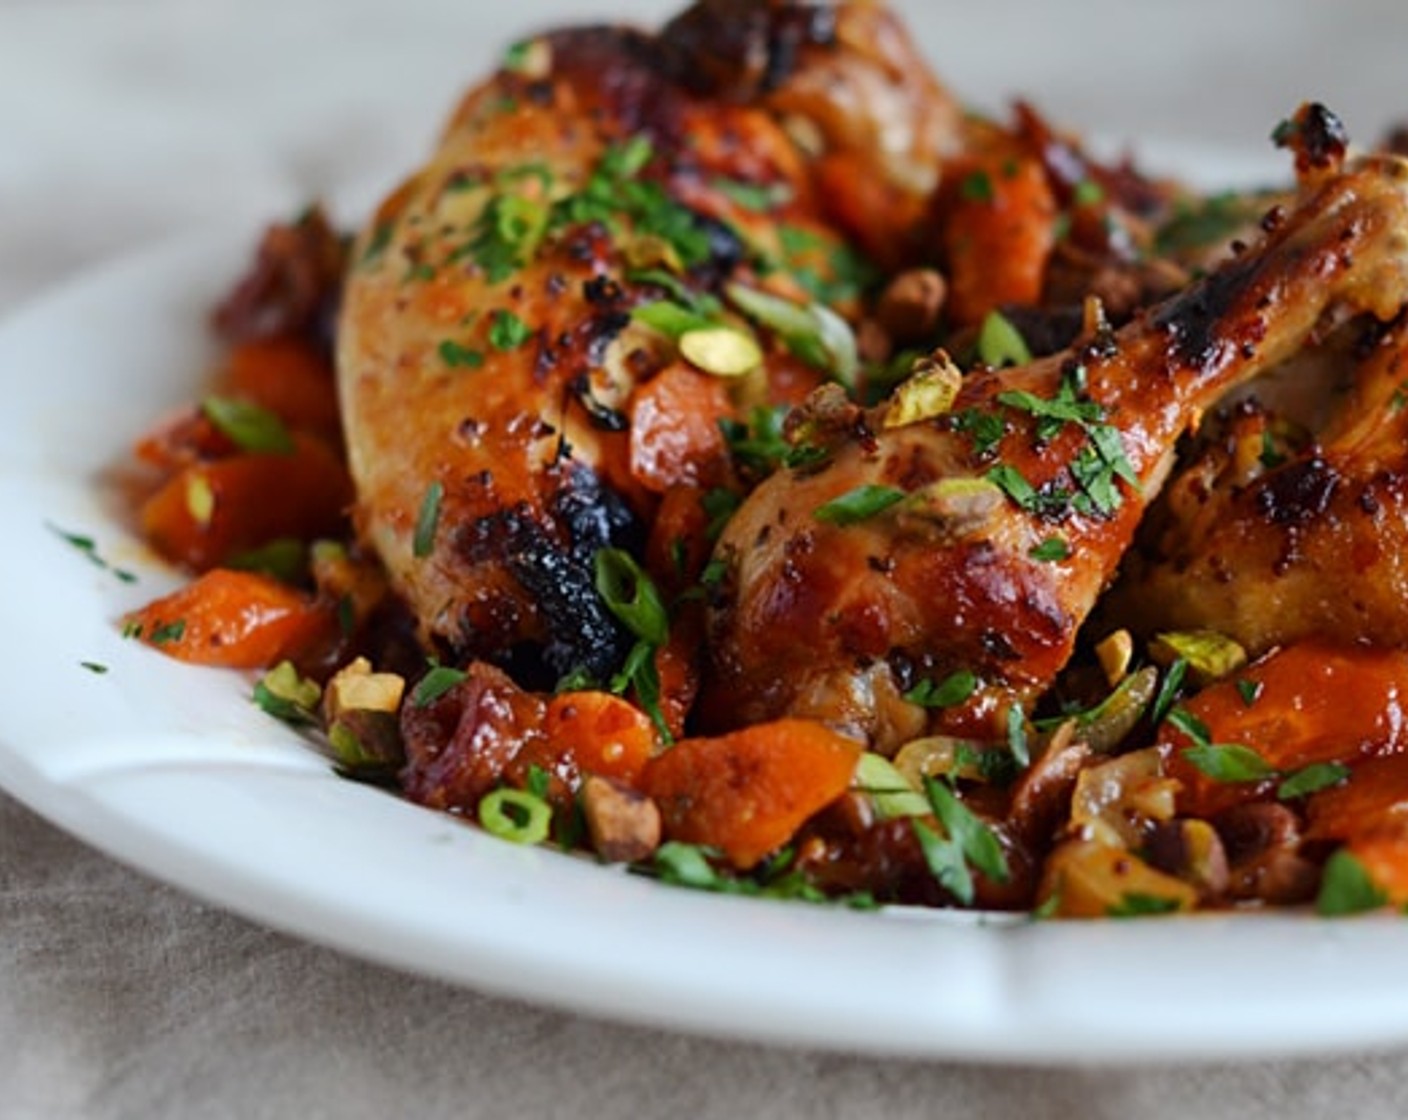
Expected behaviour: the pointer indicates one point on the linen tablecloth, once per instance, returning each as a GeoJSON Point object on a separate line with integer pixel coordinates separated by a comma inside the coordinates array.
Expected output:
{"type": "Point", "coordinates": [125, 121]}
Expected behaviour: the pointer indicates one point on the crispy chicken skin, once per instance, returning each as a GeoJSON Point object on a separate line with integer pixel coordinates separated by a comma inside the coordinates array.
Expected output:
{"type": "Point", "coordinates": [1271, 552]}
{"type": "Point", "coordinates": [972, 570]}
{"type": "Point", "coordinates": [487, 357]}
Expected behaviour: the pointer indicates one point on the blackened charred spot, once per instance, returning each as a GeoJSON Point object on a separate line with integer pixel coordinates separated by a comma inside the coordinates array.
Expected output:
{"type": "Point", "coordinates": [603, 417]}
{"type": "Point", "coordinates": [726, 248]}
{"type": "Point", "coordinates": [554, 564]}
{"type": "Point", "coordinates": [1316, 136]}
{"type": "Point", "coordinates": [740, 48]}
{"type": "Point", "coordinates": [1298, 493]}
{"type": "Point", "coordinates": [1196, 320]}
{"type": "Point", "coordinates": [602, 291]}
{"type": "Point", "coordinates": [998, 646]}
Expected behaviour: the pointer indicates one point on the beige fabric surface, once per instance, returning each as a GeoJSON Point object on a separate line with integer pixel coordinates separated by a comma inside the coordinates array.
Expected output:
{"type": "Point", "coordinates": [121, 122]}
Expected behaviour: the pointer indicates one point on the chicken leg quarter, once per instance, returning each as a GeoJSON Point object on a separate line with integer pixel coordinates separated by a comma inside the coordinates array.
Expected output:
{"type": "Point", "coordinates": [1006, 516]}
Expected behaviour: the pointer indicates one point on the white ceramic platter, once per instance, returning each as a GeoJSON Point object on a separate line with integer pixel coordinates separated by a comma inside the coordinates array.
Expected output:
{"type": "Point", "coordinates": [173, 770]}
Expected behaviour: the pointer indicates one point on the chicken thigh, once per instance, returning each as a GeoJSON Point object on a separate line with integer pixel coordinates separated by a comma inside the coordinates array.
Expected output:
{"type": "Point", "coordinates": [488, 354]}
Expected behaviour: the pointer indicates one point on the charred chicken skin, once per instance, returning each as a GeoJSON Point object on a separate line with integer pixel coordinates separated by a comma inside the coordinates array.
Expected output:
{"type": "Point", "coordinates": [489, 361]}
{"type": "Point", "coordinates": [1003, 518]}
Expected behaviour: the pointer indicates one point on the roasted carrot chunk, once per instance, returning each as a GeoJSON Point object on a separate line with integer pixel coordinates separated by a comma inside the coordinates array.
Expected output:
{"type": "Point", "coordinates": [594, 733]}
{"type": "Point", "coordinates": [1373, 794]}
{"type": "Point", "coordinates": [238, 620]}
{"type": "Point", "coordinates": [746, 793]}
{"type": "Point", "coordinates": [290, 378]}
{"type": "Point", "coordinates": [1309, 703]}
{"type": "Point", "coordinates": [675, 436]}
{"type": "Point", "coordinates": [997, 231]}
{"type": "Point", "coordinates": [209, 511]}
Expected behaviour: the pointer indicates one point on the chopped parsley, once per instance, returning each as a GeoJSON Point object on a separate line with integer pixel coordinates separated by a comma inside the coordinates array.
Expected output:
{"type": "Point", "coordinates": [455, 355]}
{"type": "Point", "coordinates": [1096, 468]}
{"type": "Point", "coordinates": [89, 548]}
{"type": "Point", "coordinates": [1346, 887]}
{"type": "Point", "coordinates": [507, 331]}
{"type": "Point", "coordinates": [1312, 779]}
{"type": "Point", "coordinates": [1050, 551]}
{"type": "Point", "coordinates": [505, 236]}
{"type": "Point", "coordinates": [967, 843]}
{"type": "Point", "coordinates": [760, 198]}
{"type": "Point", "coordinates": [164, 633]}
{"type": "Point", "coordinates": [976, 186]}
{"type": "Point", "coordinates": [1249, 691]}
{"type": "Point", "coordinates": [1137, 904]}
{"type": "Point", "coordinates": [948, 693]}
{"type": "Point", "coordinates": [1229, 762]}
{"type": "Point", "coordinates": [690, 865]}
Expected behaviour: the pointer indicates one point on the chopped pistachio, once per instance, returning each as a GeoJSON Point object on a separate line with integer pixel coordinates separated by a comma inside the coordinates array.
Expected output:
{"type": "Point", "coordinates": [929, 391]}
{"type": "Point", "coordinates": [367, 744]}
{"type": "Point", "coordinates": [939, 756]}
{"type": "Point", "coordinates": [722, 351]}
{"type": "Point", "coordinates": [531, 58]}
{"type": "Point", "coordinates": [960, 505]}
{"type": "Point", "coordinates": [1094, 880]}
{"type": "Point", "coordinates": [1114, 654]}
{"type": "Point", "coordinates": [355, 687]}
{"type": "Point", "coordinates": [286, 695]}
{"type": "Point", "coordinates": [200, 499]}
{"type": "Point", "coordinates": [1210, 655]}
{"type": "Point", "coordinates": [624, 824]}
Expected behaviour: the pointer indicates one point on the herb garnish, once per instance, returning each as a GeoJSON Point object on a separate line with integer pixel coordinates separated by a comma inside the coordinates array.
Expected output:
{"type": "Point", "coordinates": [1000, 343]}
{"type": "Point", "coordinates": [688, 865]}
{"type": "Point", "coordinates": [1050, 551]}
{"type": "Point", "coordinates": [515, 815]}
{"type": "Point", "coordinates": [1249, 691]}
{"type": "Point", "coordinates": [438, 680]}
{"type": "Point", "coordinates": [507, 331]}
{"type": "Point", "coordinates": [1136, 904]}
{"type": "Point", "coordinates": [89, 547]}
{"type": "Point", "coordinates": [164, 632]}
{"type": "Point", "coordinates": [857, 505]}
{"type": "Point", "coordinates": [457, 356]}
{"type": "Point", "coordinates": [967, 842]}
{"type": "Point", "coordinates": [1095, 468]}
{"type": "Point", "coordinates": [948, 693]}
{"type": "Point", "coordinates": [428, 520]}
{"type": "Point", "coordinates": [632, 597]}
{"type": "Point", "coordinates": [248, 426]}
{"type": "Point", "coordinates": [1312, 779]}
{"type": "Point", "coordinates": [1346, 887]}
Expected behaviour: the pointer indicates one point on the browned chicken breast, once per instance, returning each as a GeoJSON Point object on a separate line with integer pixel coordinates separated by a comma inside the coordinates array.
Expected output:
{"type": "Point", "coordinates": [494, 351]}
{"type": "Point", "coordinates": [977, 540]}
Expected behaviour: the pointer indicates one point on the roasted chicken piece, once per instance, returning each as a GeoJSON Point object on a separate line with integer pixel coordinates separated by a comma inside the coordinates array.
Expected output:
{"type": "Point", "coordinates": [1269, 548]}
{"type": "Point", "coordinates": [977, 540]}
{"type": "Point", "coordinates": [491, 368]}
